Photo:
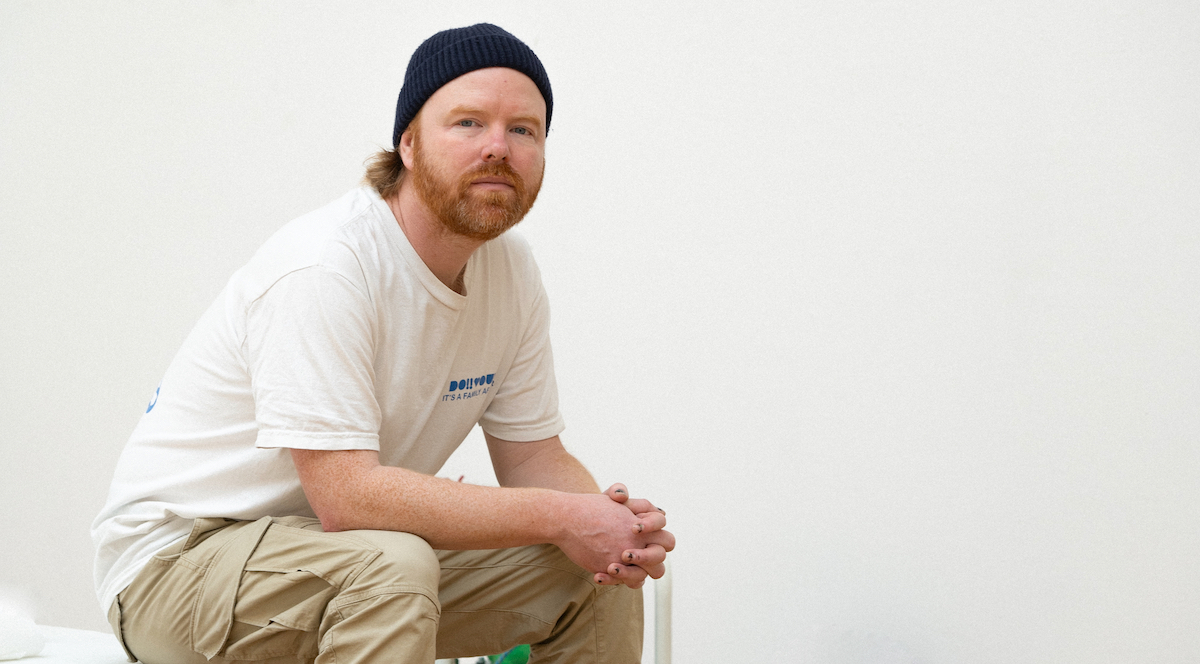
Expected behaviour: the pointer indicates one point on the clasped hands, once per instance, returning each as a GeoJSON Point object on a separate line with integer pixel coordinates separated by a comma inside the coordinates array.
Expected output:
{"type": "Point", "coordinates": [638, 563]}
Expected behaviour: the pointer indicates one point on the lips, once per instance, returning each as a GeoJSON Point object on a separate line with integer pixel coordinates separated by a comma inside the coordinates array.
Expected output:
{"type": "Point", "coordinates": [493, 180]}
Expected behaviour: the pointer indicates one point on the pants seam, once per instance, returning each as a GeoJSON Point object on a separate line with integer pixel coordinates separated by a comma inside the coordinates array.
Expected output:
{"type": "Point", "coordinates": [577, 573]}
{"type": "Point", "coordinates": [518, 613]}
{"type": "Point", "coordinates": [364, 595]}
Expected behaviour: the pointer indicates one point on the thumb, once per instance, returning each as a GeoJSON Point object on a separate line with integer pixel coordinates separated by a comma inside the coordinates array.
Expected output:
{"type": "Point", "coordinates": [617, 492]}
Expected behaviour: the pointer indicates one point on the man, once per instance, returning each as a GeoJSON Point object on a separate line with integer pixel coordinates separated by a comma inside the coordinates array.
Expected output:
{"type": "Point", "coordinates": [276, 502]}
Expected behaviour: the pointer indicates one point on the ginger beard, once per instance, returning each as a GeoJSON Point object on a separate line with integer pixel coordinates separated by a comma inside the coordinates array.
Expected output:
{"type": "Point", "coordinates": [473, 214]}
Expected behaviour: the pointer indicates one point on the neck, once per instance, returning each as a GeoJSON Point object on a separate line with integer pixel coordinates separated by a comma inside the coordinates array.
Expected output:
{"type": "Point", "coordinates": [444, 253]}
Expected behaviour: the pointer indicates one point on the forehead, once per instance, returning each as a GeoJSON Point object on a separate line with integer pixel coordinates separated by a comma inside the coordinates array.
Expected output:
{"type": "Point", "coordinates": [494, 89]}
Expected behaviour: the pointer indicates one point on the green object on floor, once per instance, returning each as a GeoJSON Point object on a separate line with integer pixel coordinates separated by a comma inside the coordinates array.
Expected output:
{"type": "Point", "coordinates": [518, 655]}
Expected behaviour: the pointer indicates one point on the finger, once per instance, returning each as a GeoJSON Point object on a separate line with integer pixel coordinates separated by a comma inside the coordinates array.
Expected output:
{"type": "Point", "coordinates": [649, 522]}
{"type": "Point", "coordinates": [639, 505]}
{"type": "Point", "coordinates": [656, 571]}
{"type": "Point", "coordinates": [630, 575]}
{"type": "Point", "coordinates": [652, 559]}
{"type": "Point", "coordinates": [663, 538]}
{"type": "Point", "coordinates": [617, 492]}
{"type": "Point", "coordinates": [651, 556]}
{"type": "Point", "coordinates": [605, 580]}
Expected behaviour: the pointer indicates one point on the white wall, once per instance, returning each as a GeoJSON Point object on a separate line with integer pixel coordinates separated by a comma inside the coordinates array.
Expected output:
{"type": "Point", "coordinates": [892, 305]}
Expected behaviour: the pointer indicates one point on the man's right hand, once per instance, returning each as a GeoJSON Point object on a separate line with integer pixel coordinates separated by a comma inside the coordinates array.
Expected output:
{"type": "Point", "coordinates": [608, 539]}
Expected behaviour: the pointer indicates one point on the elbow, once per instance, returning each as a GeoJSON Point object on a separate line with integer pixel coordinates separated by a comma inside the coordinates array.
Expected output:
{"type": "Point", "coordinates": [336, 516]}
{"type": "Point", "coordinates": [334, 484]}
{"type": "Point", "coordinates": [331, 523]}
{"type": "Point", "coordinates": [336, 510]}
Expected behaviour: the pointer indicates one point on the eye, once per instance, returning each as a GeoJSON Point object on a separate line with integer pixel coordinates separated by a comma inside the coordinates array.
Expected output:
{"type": "Point", "coordinates": [524, 131]}
{"type": "Point", "coordinates": [467, 123]}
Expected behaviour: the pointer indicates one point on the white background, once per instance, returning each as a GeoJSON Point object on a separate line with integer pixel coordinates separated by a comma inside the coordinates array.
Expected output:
{"type": "Point", "coordinates": [892, 305]}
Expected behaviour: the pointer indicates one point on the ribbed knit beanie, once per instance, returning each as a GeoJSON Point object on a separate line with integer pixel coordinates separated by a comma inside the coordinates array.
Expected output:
{"type": "Point", "coordinates": [452, 53]}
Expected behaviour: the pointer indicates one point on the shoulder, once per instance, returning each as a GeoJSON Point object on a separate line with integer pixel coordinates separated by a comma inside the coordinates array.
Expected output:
{"type": "Point", "coordinates": [308, 237]}
{"type": "Point", "coordinates": [340, 237]}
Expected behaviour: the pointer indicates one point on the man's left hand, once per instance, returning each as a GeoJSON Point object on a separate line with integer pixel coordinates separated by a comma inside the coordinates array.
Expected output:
{"type": "Point", "coordinates": [637, 564]}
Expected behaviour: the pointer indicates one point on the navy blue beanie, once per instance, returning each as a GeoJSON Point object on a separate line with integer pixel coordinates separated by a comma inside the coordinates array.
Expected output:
{"type": "Point", "coordinates": [452, 53]}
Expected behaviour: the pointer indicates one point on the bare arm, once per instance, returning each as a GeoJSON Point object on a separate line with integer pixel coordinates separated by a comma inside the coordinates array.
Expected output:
{"type": "Point", "coordinates": [350, 490]}
{"type": "Point", "coordinates": [544, 463]}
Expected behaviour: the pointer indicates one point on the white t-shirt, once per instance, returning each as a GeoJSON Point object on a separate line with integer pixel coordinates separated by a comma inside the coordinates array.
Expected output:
{"type": "Point", "coordinates": [335, 336]}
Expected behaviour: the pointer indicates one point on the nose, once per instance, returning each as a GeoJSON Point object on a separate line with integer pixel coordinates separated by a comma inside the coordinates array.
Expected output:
{"type": "Point", "coordinates": [496, 148]}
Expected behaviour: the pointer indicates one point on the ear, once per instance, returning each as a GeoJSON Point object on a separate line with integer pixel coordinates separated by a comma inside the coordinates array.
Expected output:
{"type": "Point", "coordinates": [406, 148]}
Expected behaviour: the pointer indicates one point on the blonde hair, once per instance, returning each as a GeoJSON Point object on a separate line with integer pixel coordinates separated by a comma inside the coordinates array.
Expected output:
{"type": "Point", "coordinates": [385, 170]}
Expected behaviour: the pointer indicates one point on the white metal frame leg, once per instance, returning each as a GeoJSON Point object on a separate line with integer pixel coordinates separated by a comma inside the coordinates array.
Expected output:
{"type": "Point", "coordinates": [662, 618]}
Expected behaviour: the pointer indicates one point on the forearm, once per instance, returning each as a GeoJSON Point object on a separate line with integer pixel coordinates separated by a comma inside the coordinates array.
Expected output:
{"type": "Point", "coordinates": [355, 492]}
{"type": "Point", "coordinates": [350, 490]}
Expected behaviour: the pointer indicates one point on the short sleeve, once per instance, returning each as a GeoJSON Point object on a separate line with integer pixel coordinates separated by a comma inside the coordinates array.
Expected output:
{"type": "Point", "coordinates": [525, 407]}
{"type": "Point", "coordinates": [309, 349]}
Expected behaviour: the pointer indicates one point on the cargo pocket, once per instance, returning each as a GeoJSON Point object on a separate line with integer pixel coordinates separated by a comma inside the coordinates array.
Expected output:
{"type": "Point", "coordinates": [265, 594]}
{"type": "Point", "coordinates": [212, 618]}
{"type": "Point", "coordinates": [281, 615]}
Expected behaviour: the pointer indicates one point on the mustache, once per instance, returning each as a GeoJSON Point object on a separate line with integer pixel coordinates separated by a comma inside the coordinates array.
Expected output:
{"type": "Point", "coordinates": [495, 169]}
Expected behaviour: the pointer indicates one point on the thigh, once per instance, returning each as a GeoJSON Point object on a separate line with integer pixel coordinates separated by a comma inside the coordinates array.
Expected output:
{"type": "Point", "coordinates": [243, 591]}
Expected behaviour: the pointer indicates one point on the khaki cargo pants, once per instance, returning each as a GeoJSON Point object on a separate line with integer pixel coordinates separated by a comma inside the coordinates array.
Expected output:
{"type": "Point", "coordinates": [281, 590]}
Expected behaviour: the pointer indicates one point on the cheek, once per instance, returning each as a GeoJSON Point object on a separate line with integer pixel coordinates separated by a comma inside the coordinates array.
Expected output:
{"type": "Point", "coordinates": [531, 164]}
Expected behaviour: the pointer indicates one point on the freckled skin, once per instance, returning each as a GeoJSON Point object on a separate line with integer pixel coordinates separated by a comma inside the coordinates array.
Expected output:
{"type": "Point", "coordinates": [488, 116]}
{"type": "Point", "coordinates": [546, 497]}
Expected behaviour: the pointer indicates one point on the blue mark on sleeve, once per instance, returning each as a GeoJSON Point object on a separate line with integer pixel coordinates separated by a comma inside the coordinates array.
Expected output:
{"type": "Point", "coordinates": [155, 400]}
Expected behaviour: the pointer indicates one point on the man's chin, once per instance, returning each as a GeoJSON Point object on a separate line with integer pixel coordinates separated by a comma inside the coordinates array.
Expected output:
{"type": "Point", "coordinates": [485, 225]}
{"type": "Point", "coordinates": [491, 201]}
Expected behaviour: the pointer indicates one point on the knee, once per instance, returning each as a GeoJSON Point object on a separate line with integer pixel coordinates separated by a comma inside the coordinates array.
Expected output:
{"type": "Point", "coordinates": [403, 561]}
